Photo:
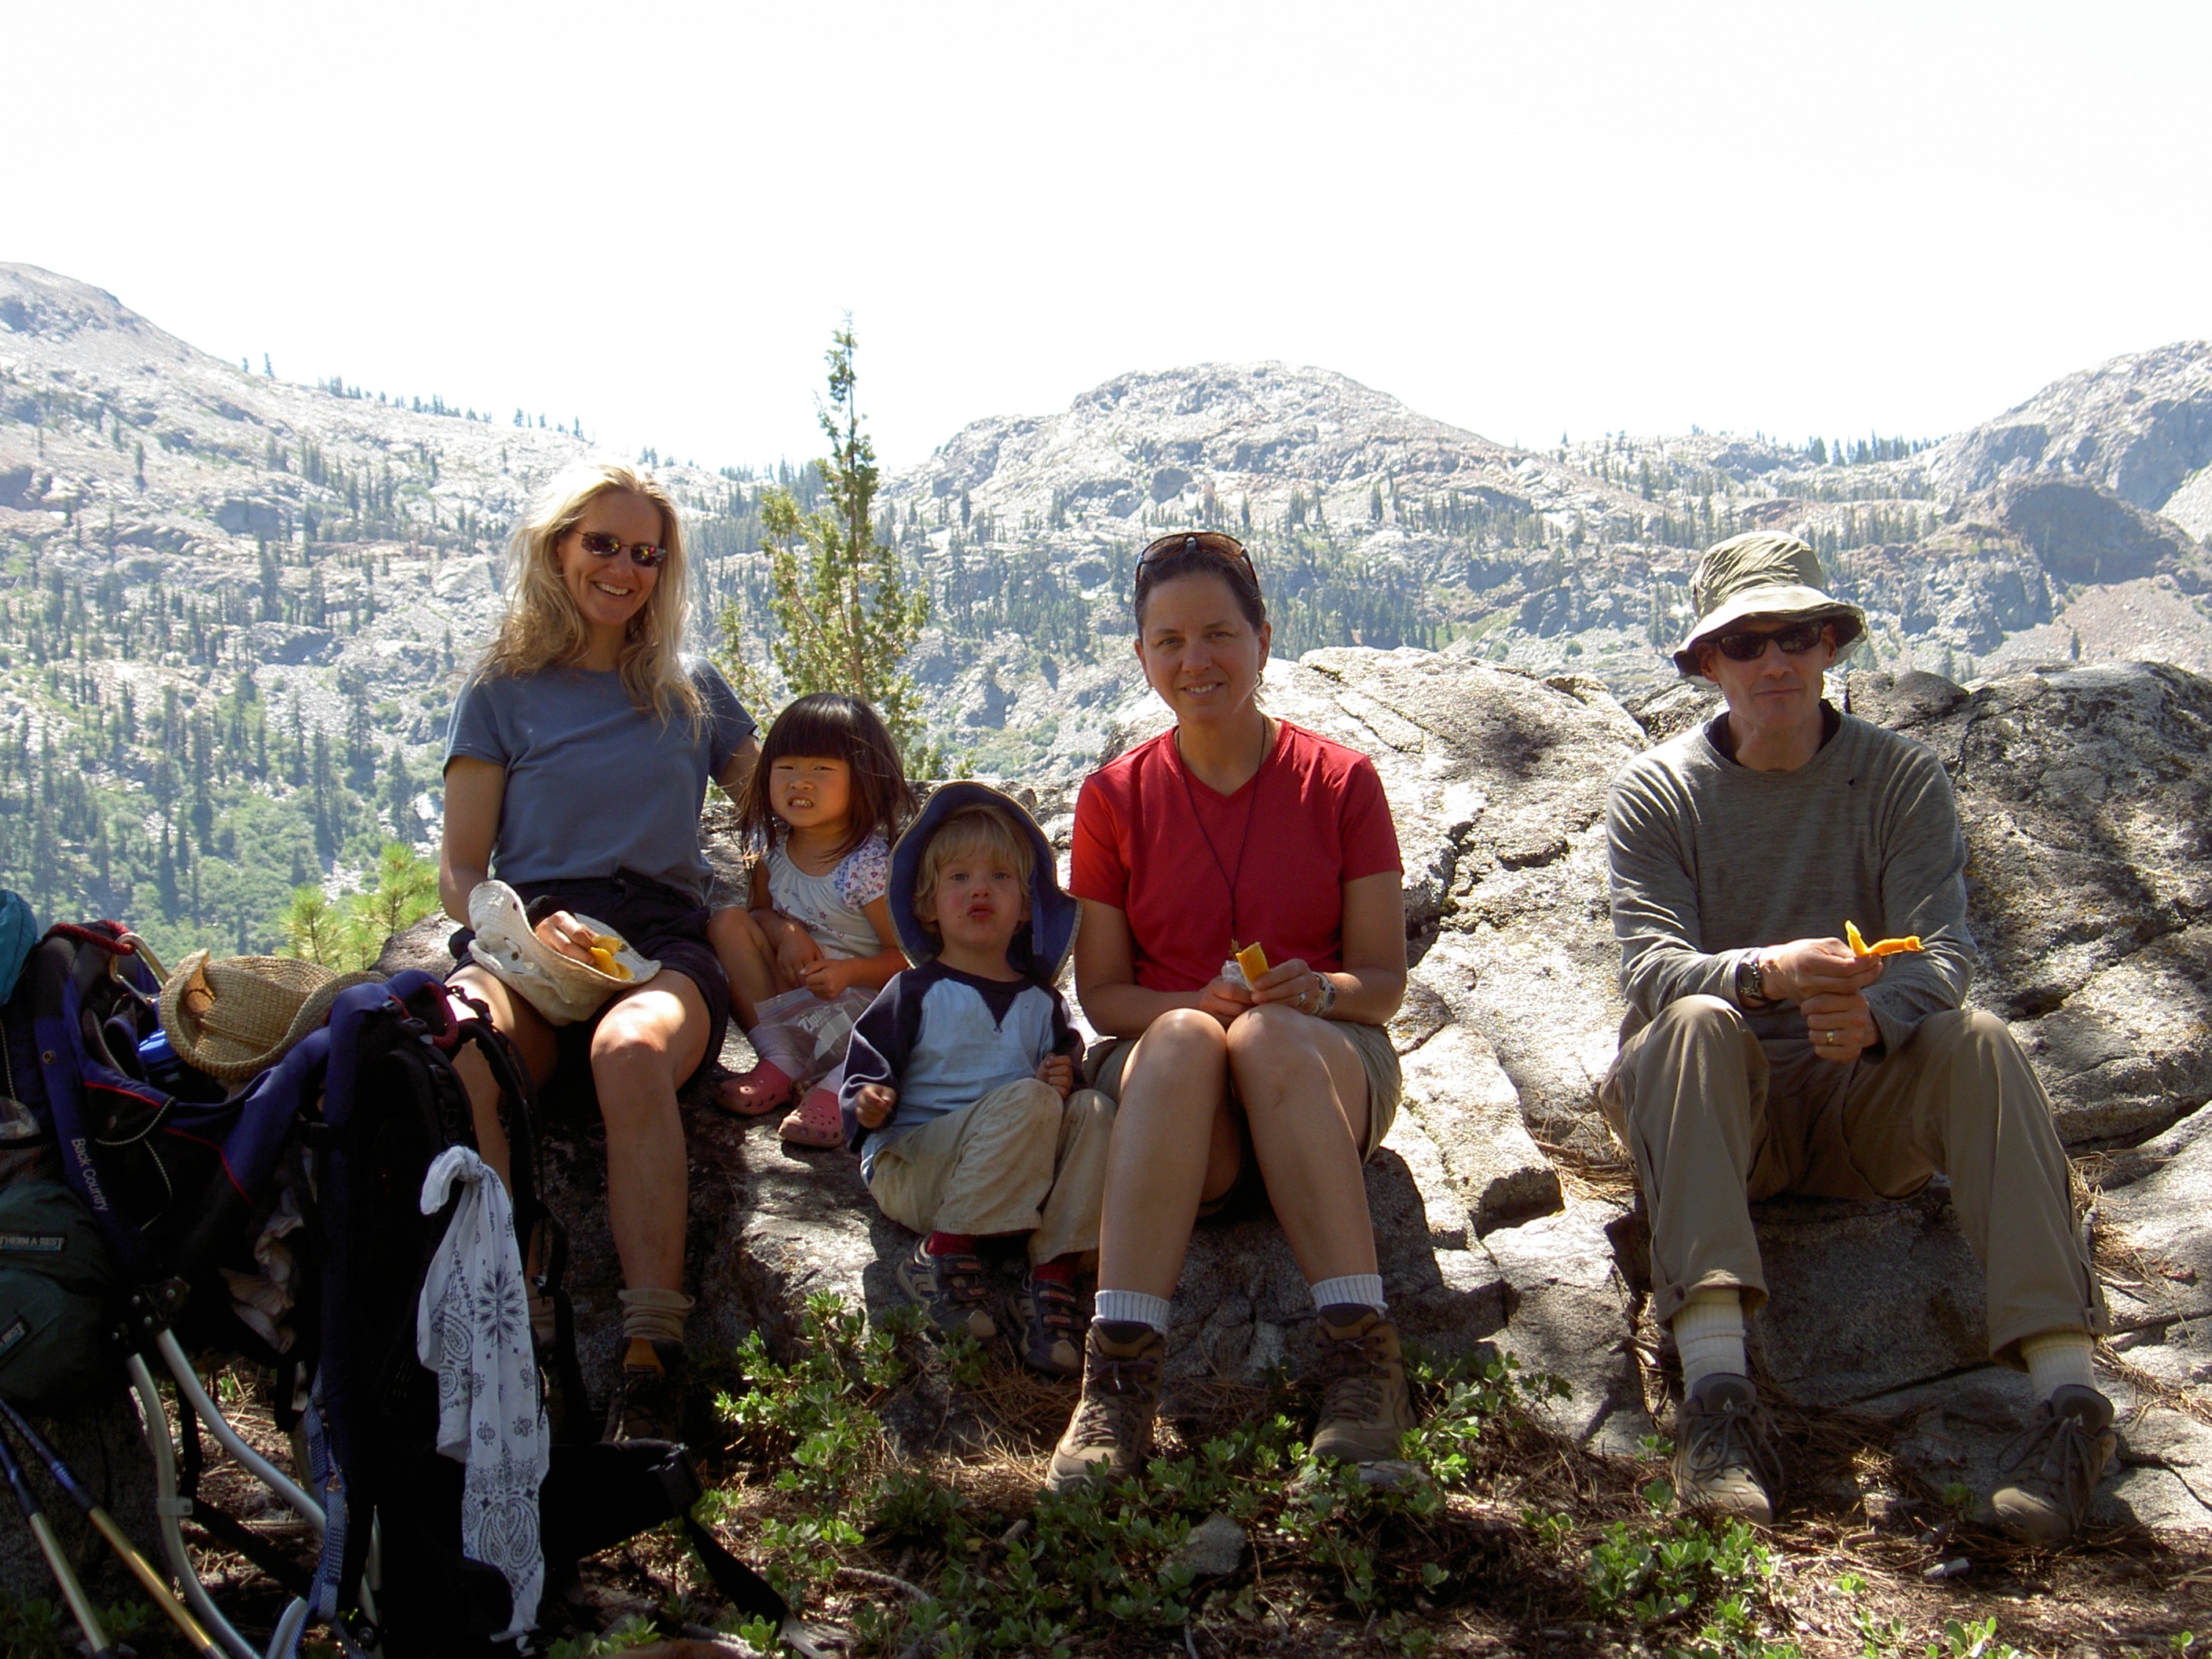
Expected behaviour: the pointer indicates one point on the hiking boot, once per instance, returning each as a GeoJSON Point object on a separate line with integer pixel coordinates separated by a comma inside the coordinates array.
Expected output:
{"type": "Point", "coordinates": [1364, 1407]}
{"type": "Point", "coordinates": [1111, 1433]}
{"type": "Point", "coordinates": [1725, 1458]}
{"type": "Point", "coordinates": [2046, 1477]}
{"type": "Point", "coordinates": [1047, 1326]}
{"type": "Point", "coordinates": [648, 1399]}
{"type": "Point", "coordinates": [951, 1290]}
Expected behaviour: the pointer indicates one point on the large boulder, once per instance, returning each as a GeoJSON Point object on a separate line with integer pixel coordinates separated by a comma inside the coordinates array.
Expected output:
{"type": "Point", "coordinates": [2083, 792]}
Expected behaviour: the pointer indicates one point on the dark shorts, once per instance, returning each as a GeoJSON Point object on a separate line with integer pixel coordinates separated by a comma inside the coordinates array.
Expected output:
{"type": "Point", "coordinates": [654, 918]}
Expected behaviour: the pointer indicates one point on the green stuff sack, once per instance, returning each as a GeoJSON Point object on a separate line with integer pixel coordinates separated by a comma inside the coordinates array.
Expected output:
{"type": "Point", "coordinates": [57, 1285]}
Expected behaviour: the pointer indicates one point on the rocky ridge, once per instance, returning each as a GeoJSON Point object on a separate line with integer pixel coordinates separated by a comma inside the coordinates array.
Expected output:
{"type": "Point", "coordinates": [336, 559]}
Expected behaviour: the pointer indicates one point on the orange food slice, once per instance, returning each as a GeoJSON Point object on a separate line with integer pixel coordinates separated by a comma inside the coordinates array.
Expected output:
{"type": "Point", "coordinates": [1253, 961]}
{"type": "Point", "coordinates": [1880, 947]}
{"type": "Point", "coordinates": [602, 958]}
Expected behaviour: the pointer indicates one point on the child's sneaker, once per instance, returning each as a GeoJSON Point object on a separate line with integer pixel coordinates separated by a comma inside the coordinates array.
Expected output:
{"type": "Point", "coordinates": [1047, 1326]}
{"type": "Point", "coordinates": [951, 1290]}
{"type": "Point", "coordinates": [1110, 1435]}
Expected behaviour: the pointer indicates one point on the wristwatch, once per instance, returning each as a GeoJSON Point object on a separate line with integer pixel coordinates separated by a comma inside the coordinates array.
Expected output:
{"type": "Point", "coordinates": [1327, 996]}
{"type": "Point", "coordinates": [1750, 983]}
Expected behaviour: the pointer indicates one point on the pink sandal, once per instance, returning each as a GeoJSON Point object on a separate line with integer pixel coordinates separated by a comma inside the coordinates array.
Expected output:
{"type": "Point", "coordinates": [766, 1088]}
{"type": "Point", "coordinates": [816, 1122]}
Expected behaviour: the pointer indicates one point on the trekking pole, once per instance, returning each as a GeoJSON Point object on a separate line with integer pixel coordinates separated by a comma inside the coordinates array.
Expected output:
{"type": "Point", "coordinates": [156, 1586]}
{"type": "Point", "coordinates": [72, 1592]}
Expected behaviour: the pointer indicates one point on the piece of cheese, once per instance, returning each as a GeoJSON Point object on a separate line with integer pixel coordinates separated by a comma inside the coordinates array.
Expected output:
{"type": "Point", "coordinates": [1253, 961]}
{"type": "Point", "coordinates": [1880, 947]}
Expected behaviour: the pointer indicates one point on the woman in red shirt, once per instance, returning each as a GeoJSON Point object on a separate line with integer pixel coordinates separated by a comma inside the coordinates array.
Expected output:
{"type": "Point", "coordinates": [1234, 829]}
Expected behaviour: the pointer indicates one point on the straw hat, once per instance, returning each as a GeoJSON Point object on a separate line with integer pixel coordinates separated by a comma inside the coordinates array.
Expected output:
{"type": "Point", "coordinates": [236, 1017]}
{"type": "Point", "coordinates": [1764, 575]}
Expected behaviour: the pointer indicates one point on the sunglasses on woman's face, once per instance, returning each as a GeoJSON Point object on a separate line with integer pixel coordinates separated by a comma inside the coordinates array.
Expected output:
{"type": "Point", "coordinates": [1750, 644]}
{"type": "Point", "coordinates": [1225, 548]}
{"type": "Point", "coordinates": [645, 556]}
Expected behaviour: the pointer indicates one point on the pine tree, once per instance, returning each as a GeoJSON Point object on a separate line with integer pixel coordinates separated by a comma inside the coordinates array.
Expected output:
{"type": "Point", "coordinates": [844, 620]}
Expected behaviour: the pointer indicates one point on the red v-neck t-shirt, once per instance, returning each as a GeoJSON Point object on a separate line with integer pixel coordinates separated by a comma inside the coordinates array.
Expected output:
{"type": "Point", "coordinates": [1318, 819]}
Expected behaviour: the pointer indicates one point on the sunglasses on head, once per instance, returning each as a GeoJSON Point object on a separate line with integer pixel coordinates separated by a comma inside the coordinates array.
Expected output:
{"type": "Point", "coordinates": [1224, 547]}
{"type": "Point", "coordinates": [1750, 644]}
{"type": "Point", "coordinates": [645, 556]}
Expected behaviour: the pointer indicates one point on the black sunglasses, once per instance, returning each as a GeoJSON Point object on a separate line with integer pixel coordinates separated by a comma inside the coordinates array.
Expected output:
{"type": "Point", "coordinates": [1750, 644]}
{"type": "Point", "coordinates": [1222, 546]}
{"type": "Point", "coordinates": [645, 556]}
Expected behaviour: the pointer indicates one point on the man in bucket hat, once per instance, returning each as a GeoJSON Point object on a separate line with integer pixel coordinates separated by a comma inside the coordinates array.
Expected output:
{"type": "Point", "coordinates": [1762, 1053]}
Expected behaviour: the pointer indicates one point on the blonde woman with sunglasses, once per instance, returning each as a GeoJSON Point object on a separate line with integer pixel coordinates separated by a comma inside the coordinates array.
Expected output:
{"type": "Point", "coordinates": [576, 765]}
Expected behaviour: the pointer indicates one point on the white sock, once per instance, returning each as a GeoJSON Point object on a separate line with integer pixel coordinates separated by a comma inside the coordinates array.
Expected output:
{"type": "Point", "coordinates": [2056, 1358]}
{"type": "Point", "coordinates": [1364, 1289]}
{"type": "Point", "coordinates": [1709, 1333]}
{"type": "Point", "coordinates": [790, 1052]}
{"type": "Point", "coordinates": [1130, 1307]}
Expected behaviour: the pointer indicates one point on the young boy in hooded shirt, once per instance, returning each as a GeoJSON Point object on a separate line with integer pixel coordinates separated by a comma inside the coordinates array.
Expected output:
{"type": "Point", "coordinates": [959, 1088]}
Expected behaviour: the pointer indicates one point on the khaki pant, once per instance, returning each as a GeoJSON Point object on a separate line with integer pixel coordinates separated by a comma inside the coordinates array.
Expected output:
{"type": "Point", "coordinates": [1020, 1160]}
{"type": "Point", "coordinates": [1716, 1118]}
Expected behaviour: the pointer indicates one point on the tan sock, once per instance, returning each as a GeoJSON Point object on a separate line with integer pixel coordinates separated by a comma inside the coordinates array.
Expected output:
{"type": "Point", "coordinates": [650, 1317]}
{"type": "Point", "coordinates": [2056, 1358]}
{"type": "Point", "coordinates": [1709, 1334]}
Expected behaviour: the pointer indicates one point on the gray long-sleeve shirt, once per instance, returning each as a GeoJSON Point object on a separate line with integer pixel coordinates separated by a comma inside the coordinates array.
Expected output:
{"type": "Point", "coordinates": [1711, 860]}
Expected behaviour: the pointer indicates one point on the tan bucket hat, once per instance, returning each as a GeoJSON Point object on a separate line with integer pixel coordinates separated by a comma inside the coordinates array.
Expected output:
{"type": "Point", "coordinates": [1766, 575]}
{"type": "Point", "coordinates": [237, 1016]}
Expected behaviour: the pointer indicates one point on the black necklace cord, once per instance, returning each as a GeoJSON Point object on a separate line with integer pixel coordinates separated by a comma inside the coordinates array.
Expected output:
{"type": "Point", "coordinates": [1244, 842]}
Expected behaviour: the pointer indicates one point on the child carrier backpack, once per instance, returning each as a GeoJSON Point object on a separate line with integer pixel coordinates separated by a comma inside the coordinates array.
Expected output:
{"type": "Point", "coordinates": [179, 1183]}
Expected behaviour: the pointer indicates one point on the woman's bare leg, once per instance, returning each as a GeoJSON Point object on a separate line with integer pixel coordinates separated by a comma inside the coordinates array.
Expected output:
{"type": "Point", "coordinates": [1304, 1094]}
{"type": "Point", "coordinates": [522, 1026]}
{"type": "Point", "coordinates": [1174, 1144]}
{"type": "Point", "coordinates": [647, 1042]}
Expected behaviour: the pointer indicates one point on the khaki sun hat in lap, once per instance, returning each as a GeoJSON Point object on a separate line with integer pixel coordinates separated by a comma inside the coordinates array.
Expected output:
{"type": "Point", "coordinates": [235, 1016]}
{"type": "Point", "coordinates": [1763, 575]}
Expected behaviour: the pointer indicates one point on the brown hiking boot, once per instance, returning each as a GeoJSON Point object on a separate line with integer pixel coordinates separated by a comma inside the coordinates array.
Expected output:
{"type": "Point", "coordinates": [1364, 1407]}
{"type": "Point", "coordinates": [2048, 1475]}
{"type": "Point", "coordinates": [648, 1398]}
{"type": "Point", "coordinates": [1725, 1458]}
{"type": "Point", "coordinates": [1111, 1433]}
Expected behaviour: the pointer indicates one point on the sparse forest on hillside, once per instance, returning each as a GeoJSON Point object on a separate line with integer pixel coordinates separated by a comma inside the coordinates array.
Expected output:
{"type": "Point", "coordinates": [234, 611]}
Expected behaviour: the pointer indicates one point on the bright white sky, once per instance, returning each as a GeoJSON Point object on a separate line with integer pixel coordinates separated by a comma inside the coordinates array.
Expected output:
{"type": "Point", "coordinates": [1525, 220]}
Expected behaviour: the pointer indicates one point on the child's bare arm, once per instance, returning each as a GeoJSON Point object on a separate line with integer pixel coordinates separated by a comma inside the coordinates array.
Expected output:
{"type": "Point", "coordinates": [829, 976]}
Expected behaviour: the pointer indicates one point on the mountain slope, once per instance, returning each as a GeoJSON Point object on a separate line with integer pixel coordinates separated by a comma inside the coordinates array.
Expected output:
{"type": "Point", "coordinates": [2140, 425]}
{"type": "Point", "coordinates": [234, 611]}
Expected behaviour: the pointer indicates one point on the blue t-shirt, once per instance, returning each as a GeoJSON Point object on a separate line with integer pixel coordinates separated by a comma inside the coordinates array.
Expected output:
{"type": "Point", "coordinates": [594, 784]}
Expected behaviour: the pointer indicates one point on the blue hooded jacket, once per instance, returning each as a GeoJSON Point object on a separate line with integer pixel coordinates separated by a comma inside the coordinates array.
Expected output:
{"type": "Point", "coordinates": [1004, 1028]}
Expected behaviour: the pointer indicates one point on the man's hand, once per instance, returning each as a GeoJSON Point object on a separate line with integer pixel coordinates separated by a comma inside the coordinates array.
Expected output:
{"type": "Point", "coordinates": [872, 1102]}
{"type": "Point", "coordinates": [1841, 1027]}
{"type": "Point", "coordinates": [1057, 1073]}
{"type": "Point", "coordinates": [1814, 968]}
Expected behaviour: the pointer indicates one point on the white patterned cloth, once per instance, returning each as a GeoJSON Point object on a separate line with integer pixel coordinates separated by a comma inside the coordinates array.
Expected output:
{"type": "Point", "coordinates": [472, 1327]}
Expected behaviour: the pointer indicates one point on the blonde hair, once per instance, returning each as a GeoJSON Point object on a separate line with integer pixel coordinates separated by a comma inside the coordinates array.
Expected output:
{"type": "Point", "coordinates": [977, 829]}
{"type": "Point", "coordinates": [542, 627]}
